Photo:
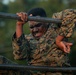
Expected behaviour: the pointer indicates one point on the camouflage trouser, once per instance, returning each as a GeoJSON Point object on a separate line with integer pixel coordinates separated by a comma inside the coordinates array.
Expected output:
{"type": "Point", "coordinates": [12, 72]}
{"type": "Point", "coordinates": [50, 73]}
{"type": "Point", "coordinates": [4, 60]}
{"type": "Point", "coordinates": [54, 73]}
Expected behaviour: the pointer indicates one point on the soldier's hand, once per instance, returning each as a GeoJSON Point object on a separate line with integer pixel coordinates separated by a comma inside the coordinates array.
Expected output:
{"type": "Point", "coordinates": [66, 47]}
{"type": "Point", "coordinates": [23, 17]}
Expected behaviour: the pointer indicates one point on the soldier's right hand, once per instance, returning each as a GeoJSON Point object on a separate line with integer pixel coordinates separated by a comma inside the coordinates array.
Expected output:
{"type": "Point", "coordinates": [23, 17]}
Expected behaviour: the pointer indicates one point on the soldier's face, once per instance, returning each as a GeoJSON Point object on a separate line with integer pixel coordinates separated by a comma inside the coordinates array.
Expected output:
{"type": "Point", "coordinates": [37, 29]}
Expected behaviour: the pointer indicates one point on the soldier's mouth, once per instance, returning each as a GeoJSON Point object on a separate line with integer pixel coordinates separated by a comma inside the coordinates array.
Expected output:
{"type": "Point", "coordinates": [38, 35]}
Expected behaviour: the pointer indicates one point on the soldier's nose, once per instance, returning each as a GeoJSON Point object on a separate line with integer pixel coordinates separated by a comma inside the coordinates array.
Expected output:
{"type": "Point", "coordinates": [35, 29]}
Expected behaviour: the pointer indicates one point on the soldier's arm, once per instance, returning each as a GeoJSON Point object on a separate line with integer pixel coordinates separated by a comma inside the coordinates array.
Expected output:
{"type": "Point", "coordinates": [20, 46]}
{"type": "Point", "coordinates": [19, 42]}
{"type": "Point", "coordinates": [59, 38]}
{"type": "Point", "coordinates": [65, 46]}
{"type": "Point", "coordinates": [68, 18]}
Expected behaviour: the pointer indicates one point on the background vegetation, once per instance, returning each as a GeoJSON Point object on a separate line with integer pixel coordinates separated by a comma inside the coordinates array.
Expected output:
{"type": "Point", "coordinates": [7, 26]}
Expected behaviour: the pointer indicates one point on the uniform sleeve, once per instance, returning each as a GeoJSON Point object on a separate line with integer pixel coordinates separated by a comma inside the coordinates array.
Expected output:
{"type": "Point", "coordinates": [58, 15]}
{"type": "Point", "coordinates": [20, 46]}
{"type": "Point", "coordinates": [68, 18]}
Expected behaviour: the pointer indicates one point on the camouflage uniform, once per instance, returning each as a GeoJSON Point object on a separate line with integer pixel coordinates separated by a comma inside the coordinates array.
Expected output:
{"type": "Point", "coordinates": [45, 52]}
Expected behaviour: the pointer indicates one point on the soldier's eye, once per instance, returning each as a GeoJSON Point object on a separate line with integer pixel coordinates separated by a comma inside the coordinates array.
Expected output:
{"type": "Point", "coordinates": [38, 25]}
{"type": "Point", "coordinates": [31, 27]}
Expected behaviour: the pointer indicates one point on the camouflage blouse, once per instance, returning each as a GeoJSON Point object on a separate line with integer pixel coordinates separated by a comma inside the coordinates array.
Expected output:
{"type": "Point", "coordinates": [45, 51]}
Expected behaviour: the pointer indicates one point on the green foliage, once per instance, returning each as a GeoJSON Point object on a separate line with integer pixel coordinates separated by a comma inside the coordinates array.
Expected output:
{"type": "Point", "coordinates": [3, 8]}
{"type": "Point", "coordinates": [51, 6]}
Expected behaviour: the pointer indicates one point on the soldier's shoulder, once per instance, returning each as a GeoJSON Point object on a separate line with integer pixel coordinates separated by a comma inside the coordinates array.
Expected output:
{"type": "Point", "coordinates": [69, 10]}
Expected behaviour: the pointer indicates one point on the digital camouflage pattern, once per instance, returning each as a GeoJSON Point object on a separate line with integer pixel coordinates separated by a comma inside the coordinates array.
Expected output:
{"type": "Point", "coordinates": [45, 52]}
{"type": "Point", "coordinates": [68, 18]}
